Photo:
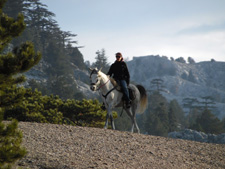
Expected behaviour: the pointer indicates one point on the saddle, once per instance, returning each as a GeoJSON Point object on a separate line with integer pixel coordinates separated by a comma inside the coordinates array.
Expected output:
{"type": "Point", "coordinates": [119, 88]}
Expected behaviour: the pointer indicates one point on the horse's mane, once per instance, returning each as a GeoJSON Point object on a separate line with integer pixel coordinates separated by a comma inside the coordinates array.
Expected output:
{"type": "Point", "coordinates": [102, 74]}
{"type": "Point", "coordinates": [112, 80]}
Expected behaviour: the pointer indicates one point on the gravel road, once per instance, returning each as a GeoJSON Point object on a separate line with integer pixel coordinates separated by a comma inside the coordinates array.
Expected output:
{"type": "Point", "coordinates": [69, 147]}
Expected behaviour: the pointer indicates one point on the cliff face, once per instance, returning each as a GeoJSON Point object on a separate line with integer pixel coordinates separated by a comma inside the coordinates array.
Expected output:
{"type": "Point", "coordinates": [182, 80]}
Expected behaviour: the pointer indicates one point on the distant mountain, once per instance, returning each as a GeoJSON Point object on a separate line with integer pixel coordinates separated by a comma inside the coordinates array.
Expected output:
{"type": "Point", "coordinates": [182, 80]}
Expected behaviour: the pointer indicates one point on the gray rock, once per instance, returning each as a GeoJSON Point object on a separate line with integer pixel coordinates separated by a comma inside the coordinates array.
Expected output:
{"type": "Point", "coordinates": [193, 135]}
{"type": "Point", "coordinates": [200, 136]}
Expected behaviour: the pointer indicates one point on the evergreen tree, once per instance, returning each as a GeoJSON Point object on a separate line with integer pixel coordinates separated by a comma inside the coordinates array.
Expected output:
{"type": "Point", "coordinates": [184, 76]}
{"type": "Point", "coordinates": [208, 123]}
{"type": "Point", "coordinates": [223, 122]}
{"type": "Point", "coordinates": [176, 115]}
{"type": "Point", "coordinates": [190, 103]}
{"type": "Point", "coordinates": [173, 122]}
{"type": "Point", "coordinates": [101, 61]}
{"type": "Point", "coordinates": [20, 60]}
{"type": "Point", "coordinates": [207, 103]}
{"type": "Point", "coordinates": [157, 84]}
{"type": "Point", "coordinates": [156, 119]}
{"type": "Point", "coordinates": [181, 60]}
{"type": "Point", "coordinates": [12, 8]}
{"type": "Point", "coordinates": [10, 144]}
{"type": "Point", "coordinates": [162, 115]}
{"type": "Point", "coordinates": [76, 57]}
{"type": "Point", "coordinates": [191, 60]}
{"type": "Point", "coordinates": [192, 116]}
{"type": "Point", "coordinates": [191, 77]}
{"type": "Point", "coordinates": [59, 56]}
{"type": "Point", "coordinates": [67, 37]}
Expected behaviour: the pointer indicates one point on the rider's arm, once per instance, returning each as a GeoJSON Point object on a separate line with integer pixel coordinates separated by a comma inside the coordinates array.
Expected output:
{"type": "Point", "coordinates": [110, 72]}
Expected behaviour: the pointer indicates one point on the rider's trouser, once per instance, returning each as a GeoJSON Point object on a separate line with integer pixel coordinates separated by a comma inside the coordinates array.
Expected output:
{"type": "Point", "coordinates": [123, 84]}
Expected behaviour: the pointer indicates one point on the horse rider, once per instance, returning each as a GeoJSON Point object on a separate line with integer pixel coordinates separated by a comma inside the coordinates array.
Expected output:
{"type": "Point", "coordinates": [119, 71]}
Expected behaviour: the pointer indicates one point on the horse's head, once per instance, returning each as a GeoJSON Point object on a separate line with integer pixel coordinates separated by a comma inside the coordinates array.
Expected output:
{"type": "Point", "coordinates": [94, 79]}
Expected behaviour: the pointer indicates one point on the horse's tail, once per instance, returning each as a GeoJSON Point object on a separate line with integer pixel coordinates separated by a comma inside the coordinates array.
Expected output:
{"type": "Point", "coordinates": [143, 103]}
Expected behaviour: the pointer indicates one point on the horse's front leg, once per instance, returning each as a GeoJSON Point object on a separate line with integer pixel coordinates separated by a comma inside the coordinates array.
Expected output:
{"type": "Point", "coordinates": [106, 121]}
{"type": "Point", "coordinates": [109, 116]}
{"type": "Point", "coordinates": [112, 121]}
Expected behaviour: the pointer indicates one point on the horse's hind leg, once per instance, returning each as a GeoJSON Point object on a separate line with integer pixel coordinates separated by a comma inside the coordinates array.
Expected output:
{"type": "Point", "coordinates": [134, 110]}
{"type": "Point", "coordinates": [135, 124]}
{"type": "Point", "coordinates": [133, 120]}
{"type": "Point", "coordinates": [132, 128]}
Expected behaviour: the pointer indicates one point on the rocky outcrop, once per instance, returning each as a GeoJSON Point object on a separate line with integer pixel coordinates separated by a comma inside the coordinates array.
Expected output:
{"type": "Point", "coordinates": [193, 135]}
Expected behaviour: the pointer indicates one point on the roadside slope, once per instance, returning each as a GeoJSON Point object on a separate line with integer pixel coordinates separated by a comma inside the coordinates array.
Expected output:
{"type": "Point", "coordinates": [61, 146]}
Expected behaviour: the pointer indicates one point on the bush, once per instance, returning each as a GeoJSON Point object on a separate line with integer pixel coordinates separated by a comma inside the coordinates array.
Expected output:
{"type": "Point", "coordinates": [35, 107]}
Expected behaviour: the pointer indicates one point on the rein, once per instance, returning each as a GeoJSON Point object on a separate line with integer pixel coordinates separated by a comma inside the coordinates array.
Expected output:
{"type": "Point", "coordinates": [105, 96]}
{"type": "Point", "coordinates": [108, 92]}
{"type": "Point", "coordinates": [103, 85]}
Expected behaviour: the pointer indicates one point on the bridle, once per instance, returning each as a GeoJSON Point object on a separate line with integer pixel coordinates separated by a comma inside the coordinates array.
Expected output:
{"type": "Point", "coordinates": [95, 84]}
{"type": "Point", "coordinates": [100, 85]}
{"type": "Point", "coordinates": [103, 85]}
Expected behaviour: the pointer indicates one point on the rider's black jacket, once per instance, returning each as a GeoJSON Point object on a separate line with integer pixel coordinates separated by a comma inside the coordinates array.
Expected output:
{"type": "Point", "coordinates": [119, 71]}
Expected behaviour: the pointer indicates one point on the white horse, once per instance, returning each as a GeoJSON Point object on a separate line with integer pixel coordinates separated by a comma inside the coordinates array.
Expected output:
{"type": "Point", "coordinates": [113, 98]}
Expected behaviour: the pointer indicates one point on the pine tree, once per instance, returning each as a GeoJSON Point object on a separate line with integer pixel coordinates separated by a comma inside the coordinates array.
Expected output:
{"type": "Point", "coordinates": [191, 77]}
{"type": "Point", "coordinates": [223, 122]}
{"type": "Point", "coordinates": [173, 122]}
{"type": "Point", "coordinates": [191, 60]}
{"type": "Point", "coordinates": [176, 116]}
{"type": "Point", "coordinates": [59, 56]}
{"type": "Point", "coordinates": [207, 102]}
{"type": "Point", "coordinates": [180, 59]}
{"type": "Point", "coordinates": [20, 60]}
{"type": "Point", "coordinates": [76, 57]}
{"type": "Point", "coordinates": [101, 61]}
{"type": "Point", "coordinates": [208, 123]}
{"type": "Point", "coordinates": [12, 8]}
{"type": "Point", "coordinates": [157, 84]}
{"type": "Point", "coordinates": [156, 121]}
{"type": "Point", "coordinates": [10, 141]}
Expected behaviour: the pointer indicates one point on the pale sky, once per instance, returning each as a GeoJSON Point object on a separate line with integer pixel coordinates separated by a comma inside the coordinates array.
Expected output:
{"type": "Point", "coordinates": [172, 28]}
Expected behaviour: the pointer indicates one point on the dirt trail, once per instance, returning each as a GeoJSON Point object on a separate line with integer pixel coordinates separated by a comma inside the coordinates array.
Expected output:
{"type": "Point", "coordinates": [67, 147]}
